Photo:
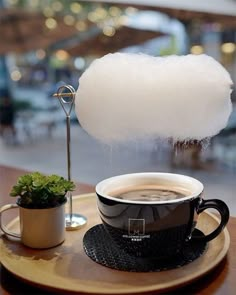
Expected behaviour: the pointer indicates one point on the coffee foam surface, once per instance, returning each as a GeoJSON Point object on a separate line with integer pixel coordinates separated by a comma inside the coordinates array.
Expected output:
{"type": "Point", "coordinates": [179, 189]}
{"type": "Point", "coordinates": [124, 97]}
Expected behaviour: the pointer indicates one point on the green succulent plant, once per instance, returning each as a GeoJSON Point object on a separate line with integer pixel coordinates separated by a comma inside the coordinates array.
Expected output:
{"type": "Point", "coordinates": [36, 190]}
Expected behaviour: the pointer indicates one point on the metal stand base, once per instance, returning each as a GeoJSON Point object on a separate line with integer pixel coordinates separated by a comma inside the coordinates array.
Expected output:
{"type": "Point", "coordinates": [75, 221]}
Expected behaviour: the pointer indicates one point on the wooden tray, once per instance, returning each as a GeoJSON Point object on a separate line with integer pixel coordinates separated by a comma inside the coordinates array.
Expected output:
{"type": "Point", "coordinates": [67, 268]}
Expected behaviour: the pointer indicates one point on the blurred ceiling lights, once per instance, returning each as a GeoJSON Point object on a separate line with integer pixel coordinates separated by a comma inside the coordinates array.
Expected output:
{"type": "Point", "coordinates": [222, 11]}
{"type": "Point", "coordinates": [23, 30]}
{"type": "Point", "coordinates": [51, 23]}
{"type": "Point", "coordinates": [69, 20]}
{"type": "Point", "coordinates": [196, 49]}
{"type": "Point", "coordinates": [57, 6]}
{"type": "Point", "coordinates": [109, 31]}
{"type": "Point", "coordinates": [75, 7]}
{"type": "Point", "coordinates": [81, 26]}
{"type": "Point", "coordinates": [15, 75]}
{"type": "Point", "coordinates": [79, 63]}
{"type": "Point", "coordinates": [81, 16]}
{"type": "Point", "coordinates": [62, 55]}
{"type": "Point", "coordinates": [228, 48]}
{"type": "Point", "coordinates": [40, 53]}
{"type": "Point", "coordinates": [113, 40]}
{"type": "Point", "coordinates": [106, 17]}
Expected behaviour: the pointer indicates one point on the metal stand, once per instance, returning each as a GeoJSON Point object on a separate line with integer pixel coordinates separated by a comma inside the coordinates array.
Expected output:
{"type": "Point", "coordinates": [66, 96]}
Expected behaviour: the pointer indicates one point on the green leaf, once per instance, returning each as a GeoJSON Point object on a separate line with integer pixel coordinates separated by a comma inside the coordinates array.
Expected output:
{"type": "Point", "coordinates": [16, 191]}
{"type": "Point", "coordinates": [36, 190]}
{"type": "Point", "coordinates": [25, 180]}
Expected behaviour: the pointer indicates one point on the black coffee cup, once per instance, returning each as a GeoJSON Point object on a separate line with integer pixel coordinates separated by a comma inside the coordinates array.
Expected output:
{"type": "Point", "coordinates": [154, 214]}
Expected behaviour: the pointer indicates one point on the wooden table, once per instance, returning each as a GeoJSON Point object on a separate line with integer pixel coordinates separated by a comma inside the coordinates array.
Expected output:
{"type": "Point", "coordinates": [222, 280]}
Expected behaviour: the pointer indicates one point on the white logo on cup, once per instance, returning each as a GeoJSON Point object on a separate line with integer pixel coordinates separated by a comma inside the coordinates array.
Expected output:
{"type": "Point", "coordinates": [136, 230]}
{"type": "Point", "coordinates": [136, 227]}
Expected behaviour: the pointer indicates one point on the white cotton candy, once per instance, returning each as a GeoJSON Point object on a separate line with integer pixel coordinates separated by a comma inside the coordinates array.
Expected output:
{"type": "Point", "coordinates": [125, 97]}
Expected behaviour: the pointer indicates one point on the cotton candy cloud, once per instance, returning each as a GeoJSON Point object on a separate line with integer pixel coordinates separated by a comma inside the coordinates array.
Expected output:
{"type": "Point", "coordinates": [124, 97]}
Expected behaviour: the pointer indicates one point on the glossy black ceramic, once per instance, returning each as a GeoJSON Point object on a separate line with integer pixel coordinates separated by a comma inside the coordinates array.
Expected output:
{"type": "Point", "coordinates": [156, 229]}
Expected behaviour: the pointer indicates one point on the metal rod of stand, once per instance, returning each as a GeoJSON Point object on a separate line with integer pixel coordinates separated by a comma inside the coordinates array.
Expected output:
{"type": "Point", "coordinates": [69, 164]}
{"type": "Point", "coordinates": [73, 221]}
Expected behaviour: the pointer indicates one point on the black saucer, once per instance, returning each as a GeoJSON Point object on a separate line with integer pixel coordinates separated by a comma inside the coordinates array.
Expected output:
{"type": "Point", "coordinates": [100, 248]}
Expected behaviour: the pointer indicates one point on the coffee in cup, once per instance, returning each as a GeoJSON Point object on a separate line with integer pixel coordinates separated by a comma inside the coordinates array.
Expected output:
{"type": "Point", "coordinates": [154, 214]}
{"type": "Point", "coordinates": [149, 193]}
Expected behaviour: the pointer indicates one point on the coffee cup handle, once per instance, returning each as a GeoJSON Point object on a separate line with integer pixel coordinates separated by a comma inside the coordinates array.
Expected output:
{"type": "Point", "coordinates": [222, 208]}
{"type": "Point", "coordinates": [3, 228]}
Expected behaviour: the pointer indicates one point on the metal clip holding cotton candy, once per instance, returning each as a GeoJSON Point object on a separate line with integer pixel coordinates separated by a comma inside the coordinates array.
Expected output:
{"type": "Point", "coordinates": [125, 97]}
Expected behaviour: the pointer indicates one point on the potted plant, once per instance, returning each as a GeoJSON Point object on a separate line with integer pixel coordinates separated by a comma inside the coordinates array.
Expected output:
{"type": "Point", "coordinates": [41, 202]}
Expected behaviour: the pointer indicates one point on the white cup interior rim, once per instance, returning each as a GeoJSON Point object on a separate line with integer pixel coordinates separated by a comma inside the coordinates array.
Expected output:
{"type": "Point", "coordinates": [194, 186]}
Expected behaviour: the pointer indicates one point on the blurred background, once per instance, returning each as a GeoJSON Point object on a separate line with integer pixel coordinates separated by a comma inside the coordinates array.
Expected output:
{"type": "Point", "coordinates": [46, 44]}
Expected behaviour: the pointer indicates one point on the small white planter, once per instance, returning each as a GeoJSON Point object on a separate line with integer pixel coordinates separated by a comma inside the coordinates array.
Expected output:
{"type": "Point", "coordinates": [39, 228]}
